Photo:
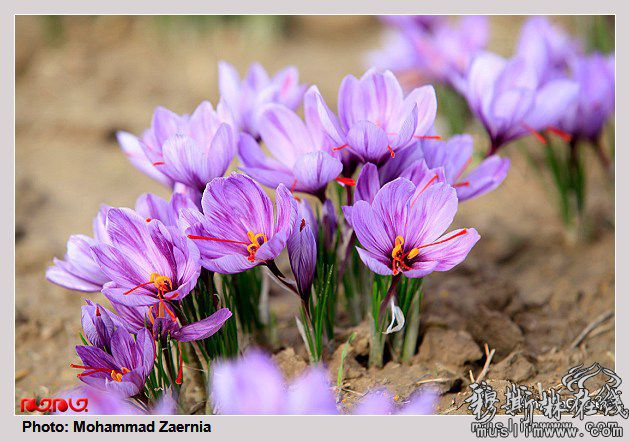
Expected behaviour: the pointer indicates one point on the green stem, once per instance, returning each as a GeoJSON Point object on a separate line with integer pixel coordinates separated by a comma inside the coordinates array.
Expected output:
{"type": "Point", "coordinates": [412, 327]}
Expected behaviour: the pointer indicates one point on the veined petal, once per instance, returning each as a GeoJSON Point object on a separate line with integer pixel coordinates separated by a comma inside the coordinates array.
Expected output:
{"type": "Point", "coordinates": [315, 170]}
{"type": "Point", "coordinates": [450, 252]}
{"type": "Point", "coordinates": [204, 328]}
{"type": "Point", "coordinates": [369, 142]}
{"type": "Point", "coordinates": [485, 177]}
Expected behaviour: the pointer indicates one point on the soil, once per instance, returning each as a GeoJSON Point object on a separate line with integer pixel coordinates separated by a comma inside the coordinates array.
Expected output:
{"type": "Point", "coordinates": [525, 291]}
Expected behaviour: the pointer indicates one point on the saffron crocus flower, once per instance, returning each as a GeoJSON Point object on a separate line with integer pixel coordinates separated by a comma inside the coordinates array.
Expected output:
{"type": "Point", "coordinates": [302, 157]}
{"type": "Point", "coordinates": [254, 385]}
{"type": "Point", "coordinates": [157, 319]}
{"type": "Point", "coordinates": [441, 51]}
{"type": "Point", "coordinates": [99, 324]}
{"type": "Point", "coordinates": [375, 118]}
{"type": "Point", "coordinates": [245, 98]}
{"type": "Point", "coordinates": [302, 249]}
{"type": "Point", "coordinates": [454, 156]}
{"type": "Point", "coordinates": [402, 230]}
{"type": "Point", "coordinates": [124, 369]}
{"type": "Point", "coordinates": [371, 179]}
{"type": "Point", "coordinates": [78, 270]}
{"type": "Point", "coordinates": [547, 48]}
{"type": "Point", "coordinates": [595, 74]}
{"type": "Point", "coordinates": [188, 149]}
{"type": "Point", "coordinates": [146, 262]}
{"type": "Point", "coordinates": [237, 230]}
{"type": "Point", "coordinates": [510, 102]}
{"type": "Point", "coordinates": [380, 402]}
{"type": "Point", "coordinates": [152, 207]}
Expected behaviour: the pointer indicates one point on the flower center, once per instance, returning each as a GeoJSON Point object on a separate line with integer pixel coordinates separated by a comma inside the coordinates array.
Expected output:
{"type": "Point", "coordinates": [255, 244]}
{"type": "Point", "coordinates": [163, 284]}
{"type": "Point", "coordinates": [399, 256]}
{"type": "Point", "coordinates": [116, 375]}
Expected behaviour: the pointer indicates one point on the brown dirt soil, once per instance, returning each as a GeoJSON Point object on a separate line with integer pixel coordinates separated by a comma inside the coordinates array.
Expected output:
{"type": "Point", "coordinates": [523, 291]}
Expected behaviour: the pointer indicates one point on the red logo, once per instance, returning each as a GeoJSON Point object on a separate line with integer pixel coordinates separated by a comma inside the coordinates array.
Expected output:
{"type": "Point", "coordinates": [53, 404]}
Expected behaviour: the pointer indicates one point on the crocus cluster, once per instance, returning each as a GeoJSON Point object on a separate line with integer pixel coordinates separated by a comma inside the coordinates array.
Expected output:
{"type": "Point", "coordinates": [178, 272]}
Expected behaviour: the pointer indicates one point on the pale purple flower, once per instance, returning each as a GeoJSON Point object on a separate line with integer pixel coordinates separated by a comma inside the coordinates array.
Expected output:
{"type": "Point", "coordinates": [455, 156]}
{"type": "Point", "coordinates": [124, 369]}
{"type": "Point", "coordinates": [187, 149]}
{"type": "Point", "coordinates": [510, 102]}
{"type": "Point", "coordinates": [595, 74]}
{"type": "Point", "coordinates": [151, 206]}
{"type": "Point", "coordinates": [381, 402]}
{"type": "Point", "coordinates": [302, 249]}
{"type": "Point", "coordinates": [402, 230]}
{"type": "Point", "coordinates": [375, 118]}
{"type": "Point", "coordinates": [302, 157]}
{"type": "Point", "coordinates": [78, 270]}
{"type": "Point", "coordinates": [237, 229]}
{"type": "Point", "coordinates": [254, 385]}
{"type": "Point", "coordinates": [146, 261]}
{"type": "Point", "coordinates": [245, 97]}
{"type": "Point", "coordinates": [547, 48]}
{"type": "Point", "coordinates": [440, 51]}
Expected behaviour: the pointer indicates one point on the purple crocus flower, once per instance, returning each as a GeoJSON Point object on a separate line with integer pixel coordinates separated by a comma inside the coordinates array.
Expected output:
{"type": "Point", "coordinates": [454, 156]}
{"type": "Point", "coordinates": [99, 324]}
{"type": "Point", "coordinates": [107, 404]}
{"type": "Point", "coordinates": [152, 207]}
{"type": "Point", "coordinates": [441, 52]}
{"type": "Point", "coordinates": [547, 48]}
{"type": "Point", "coordinates": [510, 102]}
{"type": "Point", "coordinates": [245, 98]}
{"type": "Point", "coordinates": [237, 230]}
{"type": "Point", "coordinates": [595, 74]}
{"type": "Point", "coordinates": [160, 323]}
{"type": "Point", "coordinates": [146, 262]}
{"type": "Point", "coordinates": [124, 370]}
{"type": "Point", "coordinates": [402, 230]}
{"type": "Point", "coordinates": [78, 270]}
{"type": "Point", "coordinates": [254, 385]}
{"type": "Point", "coordinates": [381, 402]}
{"type": "Point", "coordinates": [302, 249]}
{"type": "Point", "coordinates": [375, 118]}
{"type": "Point", "coordinates": [188, 149]}
{"type": "Point", "coordinates": [303, 159]}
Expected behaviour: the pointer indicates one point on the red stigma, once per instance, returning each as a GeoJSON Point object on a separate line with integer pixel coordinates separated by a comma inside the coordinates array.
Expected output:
{"type": "Point", "coordinates": [462, 184]}
{"type": "Point", "coordinates": [428, 137]}
{"type": "Point", "coordinates": [460, 233]}
{"type": "Point", "coordinates": [294, 185]}
{"type": "Point", "coordinates": [343, 146]}
{"type": "Point", "coordinates": [209, 238]}
{"type": "Point", "coordinates": [535, 133]}
{"type": "Point", "coordinates": [302, 224]}
{"type": "Point", "coordinates": [180, 369]}
{"type": "Point", "coordinates": [391, 151]}
{"type": "Point", "coordinates": [464, 167]}
{"type": "Point", "coordinates": [559, 132]}
{"type": "Point", "coordinates": [148, 220]}
{"type": "Point", "coordinates": [158, 163]}
{"type": "Point", "coordinates": [423, 189]}
{"type": "Point", "coordinates": [98, 311]}
{"type": "Point", "coordinates": [346, 181]}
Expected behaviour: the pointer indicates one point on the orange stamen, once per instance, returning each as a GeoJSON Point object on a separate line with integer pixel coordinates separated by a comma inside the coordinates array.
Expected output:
{"type": "Point", "coordinates": [398, 256]}
{"type": "Point", "coordinates": [346, 181]}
